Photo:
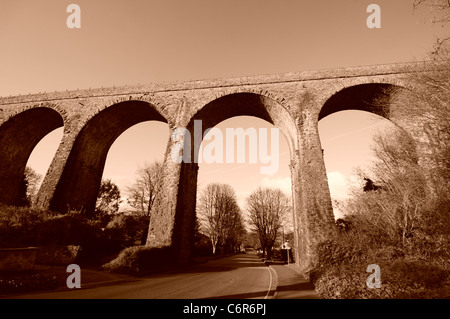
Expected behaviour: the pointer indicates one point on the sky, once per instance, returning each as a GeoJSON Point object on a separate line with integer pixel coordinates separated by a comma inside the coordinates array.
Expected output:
{"type": "Point", "coordinates": [153, 41]}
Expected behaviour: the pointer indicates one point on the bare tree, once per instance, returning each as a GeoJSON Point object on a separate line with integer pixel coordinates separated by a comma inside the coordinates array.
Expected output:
{"type": "Point", "coordinates": [234, 231]}
{"type": "Point", "coordinates": [393, 208]}
{"type": "Point", "coordinates": [410, 210]}
{"type": "Point", "coordinates": [428, 105]}
{"type": "Point", "coordinates": [141, 194]}
{"type": "Point", "coordinates": [267, 210]}
{"type": "Point", "coordinates": [219, 213]}
{"type": "Point", "coordinates": [440, 9]}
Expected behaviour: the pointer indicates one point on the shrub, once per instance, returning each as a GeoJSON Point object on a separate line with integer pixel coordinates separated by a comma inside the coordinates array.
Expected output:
{"type": "Point", "coordinates": [21, 227]}
{"type": "Point", "coordinates": [76, 229]}
{"type": "Point", "coordinates": [141, 260]}
{"type": "Point", "coordinates": [282, 255]}
{"type": "Point", "coordinates": [202, 245]}
{"type": "Point", "coordinates": [340, 271]}
{"type": "Point", "coordinates": [27, 282]}
{"type": "Point", "coordinates": [69, 229]}
{"type": "Point", "coordinates": [127, 229]}
{"type": "Point", "coordinates": [18, 225]}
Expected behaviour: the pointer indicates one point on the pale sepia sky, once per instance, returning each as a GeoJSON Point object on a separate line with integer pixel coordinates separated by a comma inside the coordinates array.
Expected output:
{"type": "Point", "coordinates": [135, 41]}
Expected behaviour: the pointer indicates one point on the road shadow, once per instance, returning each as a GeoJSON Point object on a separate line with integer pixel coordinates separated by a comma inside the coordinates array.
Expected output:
{"type": "Point", "coordinates": [226, 263]}
{"type": "Point", "coordinates": [303, 290]}
{"type": "Point", "coordinates": [250, 295]}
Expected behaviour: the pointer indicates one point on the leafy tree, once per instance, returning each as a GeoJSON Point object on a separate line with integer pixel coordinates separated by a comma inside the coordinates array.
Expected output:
{"type": "Point", "coordinates": [127, 229]}
{"type": "Point", "coordinates": [22, 200]}
{"type": "Point", "coordinates": [108, 199]}
{"type": "Point", "coordinates": [370, 186]}
{"type": "Point", "coordinates": [142, 193]}
{"type": "Point", "coordinates": [33, 180]}
{"type": "Point", "coordinates": [28, 187]}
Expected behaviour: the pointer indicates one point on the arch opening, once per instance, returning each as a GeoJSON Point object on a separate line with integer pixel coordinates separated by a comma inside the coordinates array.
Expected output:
{"type": "Point", "coordinates": [245, 174]}
{"type": "Point", "coordinates": [78, 186]}
{"type": "Point", "coordinates": [40, 161]}
{"type": "Point", "coordinates": [129, 158]}
{"type": "Point", "coordinates": [347, 138]}
{"type": "Point", "coordinates": [212, 114]}
{"type": "Point", "coordinates": [18, 137]}
{"type": "Point", "coordinates": [348, 123]}
{"type": "Point", "coordinates": [371, 97]}
{"type": "Point", "coordinates": [244, 104]}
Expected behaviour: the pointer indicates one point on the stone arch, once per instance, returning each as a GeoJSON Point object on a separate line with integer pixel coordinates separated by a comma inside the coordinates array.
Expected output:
{"type": "Point", "coordinates": [18, 137]}
{"type": "Point", "coordinates": [260, 104]}
{"type": "Point", "coordinates": [214, 112]}
{"type": "Point", "coordinates": [373, 97]}
{"type": "Point", "coordinates": [363, 97]}
{"type": "Point", "coordinates": [80, 180]}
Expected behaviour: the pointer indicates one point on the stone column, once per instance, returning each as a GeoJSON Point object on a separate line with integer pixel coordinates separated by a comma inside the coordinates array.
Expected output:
{"type": "Point", "coordinates": [163, 211]}
{"type": "Point", "coordinates": [312, 201]}
{"type": "Point", "coordinates": [183, 236]}
{"type": "Point", "coordinates": [298, 249]}
{"type": "Point", "coordinates": [172, 216]}
{"type": "Point", "coordinates": [51, 179]}
{"type": "Point", "coordinates": [419, 127]}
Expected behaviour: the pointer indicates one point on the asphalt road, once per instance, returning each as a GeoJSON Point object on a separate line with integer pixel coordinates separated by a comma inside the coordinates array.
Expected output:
{"type": "Point", "coordinates": [239, 276]}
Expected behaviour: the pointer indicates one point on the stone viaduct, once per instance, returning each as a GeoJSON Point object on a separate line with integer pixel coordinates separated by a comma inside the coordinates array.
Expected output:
{"type": "Point", "coordinates": [94, 118]}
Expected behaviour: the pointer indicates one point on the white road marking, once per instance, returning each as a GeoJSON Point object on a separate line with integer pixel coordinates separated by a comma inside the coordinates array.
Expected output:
{"type": "Point", "coordinates": [270, 283]}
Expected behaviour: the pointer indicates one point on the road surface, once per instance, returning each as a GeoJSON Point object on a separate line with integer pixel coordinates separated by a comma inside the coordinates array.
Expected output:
{"type": "Point", "coordinates": [237, 277]}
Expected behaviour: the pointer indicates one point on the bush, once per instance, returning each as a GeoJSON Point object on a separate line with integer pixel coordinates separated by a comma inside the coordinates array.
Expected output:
{"type": "Point", "coordinates": [128, 229]}
{"type": "Point", "coordinates": [22, 227]}
{"type": "Point", "coordinates": [19, 225]}
{"type": "Point", "coordinates": [69, 229]}
{"type": "Point", "coordinates": [202, 245]}
{"type": "Point", "coordinates": [399, 279]}
{"type": "Point", "coordinates": [27, 282]}
{"type": "Point", "coordinates": [340, 270]}
{"type": "Point", "coordinates": [282, 254]}
{"type": "Point", "coordinates": [141, 260]}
